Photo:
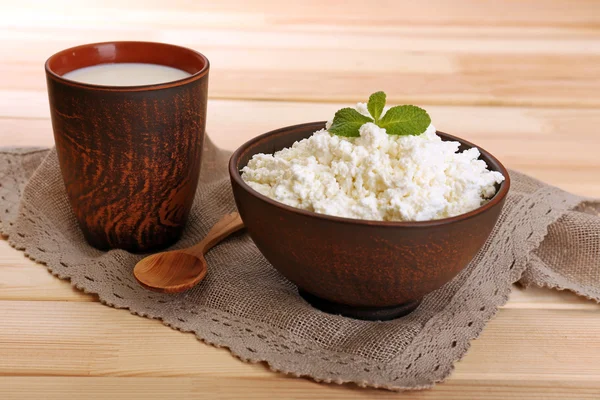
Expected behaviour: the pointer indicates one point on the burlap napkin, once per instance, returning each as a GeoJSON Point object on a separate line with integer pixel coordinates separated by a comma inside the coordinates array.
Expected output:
{"type": "Point", "coordinates": [545, 236]}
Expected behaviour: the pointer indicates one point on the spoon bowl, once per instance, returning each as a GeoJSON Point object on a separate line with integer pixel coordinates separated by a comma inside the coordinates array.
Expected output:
{"type": "Point", "coordinates": [179, 270]}
{"type": "Point", "coordinates": [156, 272]}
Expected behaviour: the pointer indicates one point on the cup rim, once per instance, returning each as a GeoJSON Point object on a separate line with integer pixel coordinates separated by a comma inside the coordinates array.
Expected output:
{"type": "Point", "coordinates": [237, 178]}
{"type": "Point", "coordinates": [137, 88]}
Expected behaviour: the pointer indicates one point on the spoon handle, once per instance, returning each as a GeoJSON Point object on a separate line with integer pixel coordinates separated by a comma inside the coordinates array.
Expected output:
{"type": "Point", "coordinates": [226, 226]}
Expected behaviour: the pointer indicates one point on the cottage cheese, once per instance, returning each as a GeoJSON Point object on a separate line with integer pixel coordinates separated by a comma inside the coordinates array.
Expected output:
{"type": "Point", "coordinates": [375, 176]}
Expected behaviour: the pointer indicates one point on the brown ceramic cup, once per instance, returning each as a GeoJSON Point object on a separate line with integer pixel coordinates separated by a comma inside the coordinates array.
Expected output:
{"type": "Point", "coordinates": [129, 155]}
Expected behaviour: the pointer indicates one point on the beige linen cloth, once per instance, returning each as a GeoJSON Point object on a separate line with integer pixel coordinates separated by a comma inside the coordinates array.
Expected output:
{"type": "Point", "coordinates": [545, 237]}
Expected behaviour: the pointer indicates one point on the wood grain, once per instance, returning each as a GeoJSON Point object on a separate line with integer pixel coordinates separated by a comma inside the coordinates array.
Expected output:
{"type": "Point", "coordinates": [103, 348]}
{"type": "Point", "coordinates": [441, 52]}
{"type": "Point", "coordinates": [90, 340]}
{"type": "Point", "coordinates": [142, 388]}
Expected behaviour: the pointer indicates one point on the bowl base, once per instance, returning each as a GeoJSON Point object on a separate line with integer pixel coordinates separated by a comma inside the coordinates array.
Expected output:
{"type": "Point", "coordinates": [364, 313]}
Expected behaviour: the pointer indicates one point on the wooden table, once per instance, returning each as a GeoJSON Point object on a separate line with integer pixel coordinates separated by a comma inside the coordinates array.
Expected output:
{"type": "Point", "coordinates": [520, 78]}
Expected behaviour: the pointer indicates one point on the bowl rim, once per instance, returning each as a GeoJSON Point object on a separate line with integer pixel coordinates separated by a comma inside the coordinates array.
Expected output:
{"type": "Point", "coordinates": [236, 176]}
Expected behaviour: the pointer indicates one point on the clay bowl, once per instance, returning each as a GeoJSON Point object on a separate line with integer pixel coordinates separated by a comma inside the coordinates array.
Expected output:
{"type": "Point", "coordinates": [362, 269]}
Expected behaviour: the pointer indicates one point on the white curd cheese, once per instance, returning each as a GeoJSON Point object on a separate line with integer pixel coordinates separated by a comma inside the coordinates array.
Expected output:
{"type": "Point", "coordinates": [375, 176]}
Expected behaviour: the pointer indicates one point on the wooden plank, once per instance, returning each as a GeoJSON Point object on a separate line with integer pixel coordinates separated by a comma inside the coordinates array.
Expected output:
{"type": "Point", "coordinates": [79, 339]}
{"type": "Point", "coordinates": [407, 77]}
{"type": "Point", "coordinates": [26, 113]}
{"type": "Point", "coordinates": [23, 279]}
{"type": "Point", "coordinates": [399, 38]}
{"type": "Point", "coordinates": [574, 14]}
{"type": "Point", "coordinates": [521, 137]}
{"type": "Point", "coordinates": [223, 388]}
{"type": "Point", "coordinates": [26, 132]}
{"type": "Point", "coordinates": [88, 339]}
{"type": "Point", "coordinates": [548, 299]}
{"type": "Point", "coordinates": [433, 39]}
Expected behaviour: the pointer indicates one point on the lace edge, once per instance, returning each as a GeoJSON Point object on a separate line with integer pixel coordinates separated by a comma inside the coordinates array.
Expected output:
{"type": "Point", "coordinates": [520, 265]}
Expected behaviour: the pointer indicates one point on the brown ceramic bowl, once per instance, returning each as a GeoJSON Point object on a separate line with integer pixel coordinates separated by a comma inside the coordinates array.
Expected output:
{"type": "Point", "coordinates": [359, 268]}
{"type": "Point", "coordinates": [129, 155]}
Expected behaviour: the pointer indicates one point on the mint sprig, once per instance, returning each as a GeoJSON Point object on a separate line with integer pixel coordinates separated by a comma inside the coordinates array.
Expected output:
{"type": "Point", "coordinates": [398, 120]}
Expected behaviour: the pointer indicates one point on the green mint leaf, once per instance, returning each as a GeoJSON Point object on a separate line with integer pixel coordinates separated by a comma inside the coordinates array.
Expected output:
{"type": "Point", "coordinates": [376, 104]}
{"type": "Point", "coordinates": [405, 120]}
{"type": "Point", "coordinates": [347, 122]}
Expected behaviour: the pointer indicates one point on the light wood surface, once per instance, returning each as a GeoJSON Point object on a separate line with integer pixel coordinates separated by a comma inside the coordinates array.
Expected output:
{"type": "Point", "coordinates": [520, 78]}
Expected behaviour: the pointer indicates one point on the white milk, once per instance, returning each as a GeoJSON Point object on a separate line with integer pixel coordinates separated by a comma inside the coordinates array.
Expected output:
{"type": "Point", "coordinates": [126, 74]}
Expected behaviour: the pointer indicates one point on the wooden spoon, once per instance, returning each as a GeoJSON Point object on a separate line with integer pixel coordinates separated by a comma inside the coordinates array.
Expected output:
{"type": "Point", "coordinates": [179, 270]}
